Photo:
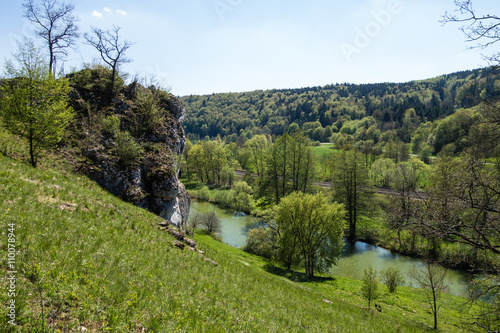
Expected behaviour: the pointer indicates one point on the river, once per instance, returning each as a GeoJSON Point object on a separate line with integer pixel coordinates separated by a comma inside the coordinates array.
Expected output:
{"type": "Point", "coordinates": [355, 257]}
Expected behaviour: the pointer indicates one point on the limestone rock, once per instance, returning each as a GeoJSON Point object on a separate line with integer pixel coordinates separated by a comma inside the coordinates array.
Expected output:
{"type": "Point", "coordinates": [153, 183]}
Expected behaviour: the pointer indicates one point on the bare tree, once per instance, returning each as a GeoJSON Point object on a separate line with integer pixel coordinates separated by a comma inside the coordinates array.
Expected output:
{"type": "Point", "coordinates": [483, 30]}
{"type": "Point", "coordinates": [56, 25]}
{"type": "Point", "coordinates": [431, 278]}
{"type": "Point", "coordinates": [112, 51]}
{"type": "Point", "coordinates": [211, 222]}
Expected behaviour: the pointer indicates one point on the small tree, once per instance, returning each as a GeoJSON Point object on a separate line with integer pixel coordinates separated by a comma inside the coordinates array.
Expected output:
{"type": "Point", "coordinates": [193, 223]}
{"type": "Point", "coordinates": [34, 103]}
{"type": "Point", "coordinates": [392, 278]}
{"type": "Point", "coordinates": [431, 278]}
{"type": "Point", "coordinates": [485, 293]}
{"type": "Point", "coordinates": [211, 222]}
{"type": "Point", "coordinates": [56, 25]}
{"type": "Point", "coordinates": [110, 48]}
{"type": "Point", "coordinates": [370, 284]}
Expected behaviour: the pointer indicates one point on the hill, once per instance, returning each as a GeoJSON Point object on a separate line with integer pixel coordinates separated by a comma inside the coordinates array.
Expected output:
{"type": "Point", "coordinates": [361, 112]}
{"type": "Point", "coordinates": [84, 258]}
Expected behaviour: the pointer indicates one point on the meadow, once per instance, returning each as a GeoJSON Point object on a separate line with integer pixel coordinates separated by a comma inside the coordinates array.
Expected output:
{"type": "Point", "coordinates": [85, 258]}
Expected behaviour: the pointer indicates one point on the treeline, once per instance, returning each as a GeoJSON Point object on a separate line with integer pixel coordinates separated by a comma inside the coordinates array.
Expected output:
{"type": "Point", "coordinates": [348, 112]}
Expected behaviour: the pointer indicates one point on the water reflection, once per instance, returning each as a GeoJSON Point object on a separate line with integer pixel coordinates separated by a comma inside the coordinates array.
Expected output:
{"type": "Point", "coordinates": [355, 256]}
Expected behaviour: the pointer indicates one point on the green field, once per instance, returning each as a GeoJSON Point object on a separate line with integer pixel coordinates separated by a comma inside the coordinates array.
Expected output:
{"type": "Point", "coordinates": [92, 260]}
{"type": "Point", "coordinates": [324, 149]}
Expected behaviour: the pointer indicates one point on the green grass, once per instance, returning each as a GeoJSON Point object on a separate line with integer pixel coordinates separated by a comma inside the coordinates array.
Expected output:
{"type": "Point", "coordinates": [95, 261]}
{"type": "Point", "coordinates": [324, 149]}
{"type": "Point", "coordinates": [103, 264]}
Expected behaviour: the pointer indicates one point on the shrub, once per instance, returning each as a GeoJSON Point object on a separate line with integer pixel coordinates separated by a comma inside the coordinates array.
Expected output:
{"type": "Point", "coordinates": [211, 222]}
{"type": "Point", "coordinates": [261, 241]}
{"type": "Point", "coordinates": [151, 115]}
{"type": "Point", "coordinates": [392, 278]}
{"type": "Point", "coordinates": [243, 187]}
{"type": "Point", "coordinates": [129, 152]}
{"type": "Point", "coordinates": [223, 198]}
{"type": "Point", "coordinates": [204, 193]}
{"type": "Point", "coordinates": [110, 125]}
{"type": "Point", "coordinates": [370, 284]}
{"type": "Point", "coordinates": [241, 195]}
{"type": "Point", "coordinates": [242, 202]}
{"type": "Point", "coordinates": [193, 224]}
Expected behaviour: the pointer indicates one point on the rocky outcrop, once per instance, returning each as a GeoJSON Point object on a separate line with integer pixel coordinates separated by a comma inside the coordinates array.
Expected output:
{"type": "Point", "coordinates": [151, 179]}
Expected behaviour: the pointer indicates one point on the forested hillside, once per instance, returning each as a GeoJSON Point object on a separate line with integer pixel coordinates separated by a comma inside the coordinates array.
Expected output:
{"type": "Point", "coordinates": [416, 110]}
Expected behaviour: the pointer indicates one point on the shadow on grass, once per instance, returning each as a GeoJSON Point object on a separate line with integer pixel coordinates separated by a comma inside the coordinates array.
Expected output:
{"type": "Point", "coordinates": [295, 276]}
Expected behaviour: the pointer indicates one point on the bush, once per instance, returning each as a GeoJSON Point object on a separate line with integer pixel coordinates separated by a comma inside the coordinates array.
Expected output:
{"type": "Point", "coordinates": [392, 278]}
{"type": "Point", "coordinates": [204, 194]}
{"type": "Point", "coordinates": [129, 152]}
{"type": "Point", "coordinates": [242, 202]}
{"type": "Point", "coordinates": [193, 223]}
{"type": "Point", "coordinates": [95, 79]}
{"type": "Point", "coordinates": [370, 285]}
{"type": "Point", "coordinates": [151, 115]}
{"type": "Point", "coordinates": [223, 198]}
{"type": "Point", "coordinates": [241, 197]}
{"type": "Point", "coordinates": [261, 241]}
{"type": "Point", "coordinates": [211, 222]}
{"type": "Point", "coordinates": [110, 126]}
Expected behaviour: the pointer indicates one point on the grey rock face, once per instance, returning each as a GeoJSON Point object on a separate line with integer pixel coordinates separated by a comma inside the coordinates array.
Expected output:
{"type": "Point", "coordinates": [154, 183]}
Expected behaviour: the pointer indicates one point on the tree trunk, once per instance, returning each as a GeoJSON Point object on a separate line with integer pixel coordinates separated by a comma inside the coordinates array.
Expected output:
{"type": "Point", "coordinates": [112, 85]}
{"type": "Point", "coordinates": [32, 153]}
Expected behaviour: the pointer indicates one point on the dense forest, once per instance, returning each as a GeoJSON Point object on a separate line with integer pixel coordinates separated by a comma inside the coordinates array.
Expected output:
{"type": "Point", "coordinates": [433, 114]}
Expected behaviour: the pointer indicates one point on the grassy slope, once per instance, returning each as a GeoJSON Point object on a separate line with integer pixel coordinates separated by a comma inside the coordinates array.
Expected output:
{"type": "Point", "coordinates": [103, 264]}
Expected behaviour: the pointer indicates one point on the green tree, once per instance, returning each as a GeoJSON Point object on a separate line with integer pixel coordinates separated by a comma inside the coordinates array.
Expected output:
{"type": "Point", "coordinates": [315, 226]}
{"type": "Point", "coordinates": [352, 187]}
{"type": "Point", "coordinates": [369, 289]}
{"type": "Point", "coordinates": [34, 103]}
{"type": "Point", "coordinates": [185, 158]}
{"type": "Point", "coordinates": [382, 171]}
{"type": "Point", "coordinates": [257, 148]}
{"type": "Point", "coordinates": [290, 166]}
{"type": "Point", "coordinates": [261, 241]}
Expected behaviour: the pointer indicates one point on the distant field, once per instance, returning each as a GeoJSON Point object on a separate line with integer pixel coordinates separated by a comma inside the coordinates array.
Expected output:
{"type": "Point", "coordinates": [324, 149]}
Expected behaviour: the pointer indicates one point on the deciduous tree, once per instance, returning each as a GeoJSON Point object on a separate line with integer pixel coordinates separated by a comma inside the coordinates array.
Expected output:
{"type": "Point", "coordinates": [56, 24]}
{"type": "Point", "coordinates": [111, 49]}
{"type": "Point", "coordinates": [315, 226]}
{"type": "Point", "coordinates": [352, 186]}
{"type": "Point", "coordinates": [369, 289]}
{"type": "Point", "coordinates": [34, 103]}
{"type": "Point", "coordinates": [431, 278]}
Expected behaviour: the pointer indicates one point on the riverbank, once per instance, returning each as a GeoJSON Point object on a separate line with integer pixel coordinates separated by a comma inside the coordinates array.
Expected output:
{"type": "Point", "coordinates": [354, 259]}
{"type": "Point", "coordinates": [87, 259]}
{"type": "Point", "coordinates": [374, 231]}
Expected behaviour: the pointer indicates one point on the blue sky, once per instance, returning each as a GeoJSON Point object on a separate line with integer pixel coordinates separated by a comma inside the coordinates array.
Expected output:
{"type": "Point", "coordinates": [207, 46]}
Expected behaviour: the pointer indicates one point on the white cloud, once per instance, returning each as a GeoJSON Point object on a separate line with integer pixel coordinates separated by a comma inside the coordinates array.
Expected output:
{"type": "Point", "coordinates": [119, 11]}
{"type": "Point", "coordinates": [95, 13]}
{"type": "Point", "coordinates": [106, 9]}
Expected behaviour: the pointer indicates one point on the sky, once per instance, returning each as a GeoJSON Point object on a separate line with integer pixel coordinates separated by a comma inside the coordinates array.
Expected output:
{"type": "Point", "coordinates": [213, 46]}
